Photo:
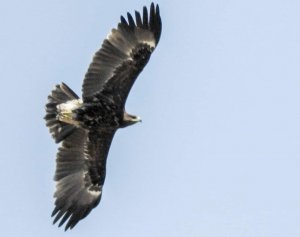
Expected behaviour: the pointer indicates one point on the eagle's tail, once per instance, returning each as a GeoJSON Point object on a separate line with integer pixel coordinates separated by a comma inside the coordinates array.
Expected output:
{"type": "Point", "coordinates": [59, 130]}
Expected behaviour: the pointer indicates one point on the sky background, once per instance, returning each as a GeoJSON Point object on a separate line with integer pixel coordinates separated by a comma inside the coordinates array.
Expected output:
{"type": "Point", "coordinates": [218, 152]}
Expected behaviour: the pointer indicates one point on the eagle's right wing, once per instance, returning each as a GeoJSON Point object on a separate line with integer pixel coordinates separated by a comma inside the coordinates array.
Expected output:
{"type": "Point", "coordinates": [80, 175]}
{"type": "Point", "coordinates": [123, 56]}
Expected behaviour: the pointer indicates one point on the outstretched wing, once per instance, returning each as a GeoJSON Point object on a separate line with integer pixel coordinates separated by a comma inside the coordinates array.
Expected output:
{"type": "Point", "coordinates": [123, 56]}
{"type": "Point", "coordinates": [80, 175]}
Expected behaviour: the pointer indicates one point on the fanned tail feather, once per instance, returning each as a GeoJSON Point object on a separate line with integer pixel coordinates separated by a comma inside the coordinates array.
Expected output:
{"type": "Point", "coordinates": [59, 130]}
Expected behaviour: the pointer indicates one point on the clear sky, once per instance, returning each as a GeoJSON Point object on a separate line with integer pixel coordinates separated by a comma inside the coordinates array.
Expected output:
{"type": "Point", "coordinates": [218, 152]}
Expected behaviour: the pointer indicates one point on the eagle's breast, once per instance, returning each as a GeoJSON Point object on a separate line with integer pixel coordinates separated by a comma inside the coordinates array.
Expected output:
{"type": "Point", "coordinates": [99, 112]}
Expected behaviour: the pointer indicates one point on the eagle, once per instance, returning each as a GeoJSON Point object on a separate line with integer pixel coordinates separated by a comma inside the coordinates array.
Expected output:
{"type": "Point", "coordinates": [85, 126]}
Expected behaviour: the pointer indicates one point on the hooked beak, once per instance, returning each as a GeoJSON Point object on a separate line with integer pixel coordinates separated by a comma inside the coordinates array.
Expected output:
{"type": "Point", "coordinates": [138, 119]}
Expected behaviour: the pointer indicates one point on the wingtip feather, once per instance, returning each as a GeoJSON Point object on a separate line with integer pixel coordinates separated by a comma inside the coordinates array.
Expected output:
{"type": "Point", "coordinates": [145, 17]}
{"type": "Point", "coordinates": [123, 20]}
{"type": "Point", "coordinates": [138, 19]}
{"type": "Point", "coordinates": [130, 20]}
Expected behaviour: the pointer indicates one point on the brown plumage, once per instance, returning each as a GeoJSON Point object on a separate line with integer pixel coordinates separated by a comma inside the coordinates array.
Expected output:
{"type": "Point", "coordinates": [86, 126]}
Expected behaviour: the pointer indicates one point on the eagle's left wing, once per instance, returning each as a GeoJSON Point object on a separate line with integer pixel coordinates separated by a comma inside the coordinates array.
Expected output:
{"type": "Point", "coordinates": [123, 56]}
{"type": "Point", "coordinates": [80, 175]}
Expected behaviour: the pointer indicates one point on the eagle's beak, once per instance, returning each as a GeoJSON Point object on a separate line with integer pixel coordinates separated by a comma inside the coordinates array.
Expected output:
{"type": "Point", "coordinates": [138, 119]}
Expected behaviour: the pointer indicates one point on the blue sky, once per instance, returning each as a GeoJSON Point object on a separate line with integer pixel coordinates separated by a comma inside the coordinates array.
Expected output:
{"type": "Point", "coordinates": [218, 151]}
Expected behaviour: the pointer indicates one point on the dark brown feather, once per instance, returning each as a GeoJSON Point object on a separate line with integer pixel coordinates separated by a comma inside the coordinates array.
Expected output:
{"type": "Point", "coordinates": [80, 175]}
{"type": "Point", "coordinates": [81, 158]}
{"type": "Point", "coordinates": [118, 51]}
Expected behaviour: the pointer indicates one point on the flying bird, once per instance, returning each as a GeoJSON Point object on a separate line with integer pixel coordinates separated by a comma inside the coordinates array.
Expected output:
{"type": "Point", "coordinates": [85, 127]}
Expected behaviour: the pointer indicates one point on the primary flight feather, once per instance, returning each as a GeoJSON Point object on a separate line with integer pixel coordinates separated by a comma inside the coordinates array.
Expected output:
{"type": "Point", "coordinates": [85, 127]}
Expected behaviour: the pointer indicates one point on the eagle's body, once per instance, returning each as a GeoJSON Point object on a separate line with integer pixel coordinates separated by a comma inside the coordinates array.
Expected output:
{"type": "Point", "coordinates": [86, 126]}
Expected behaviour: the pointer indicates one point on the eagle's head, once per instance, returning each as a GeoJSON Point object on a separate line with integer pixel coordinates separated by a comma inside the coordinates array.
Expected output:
{"type": "Point", "coordinates": [129, 119]}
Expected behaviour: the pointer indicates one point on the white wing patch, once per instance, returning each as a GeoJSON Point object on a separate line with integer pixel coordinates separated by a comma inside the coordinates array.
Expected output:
{"type": "Point", "coordinates": [142, 36]}
{"type": "Point", "coordinates": [95, 193]}
{"type": "Point", "coordinates": [150, 43]}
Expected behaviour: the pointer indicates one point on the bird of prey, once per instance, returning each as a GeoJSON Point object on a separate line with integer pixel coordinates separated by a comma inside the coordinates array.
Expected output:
{"type": "Point", "coordinates": [85, 127]}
